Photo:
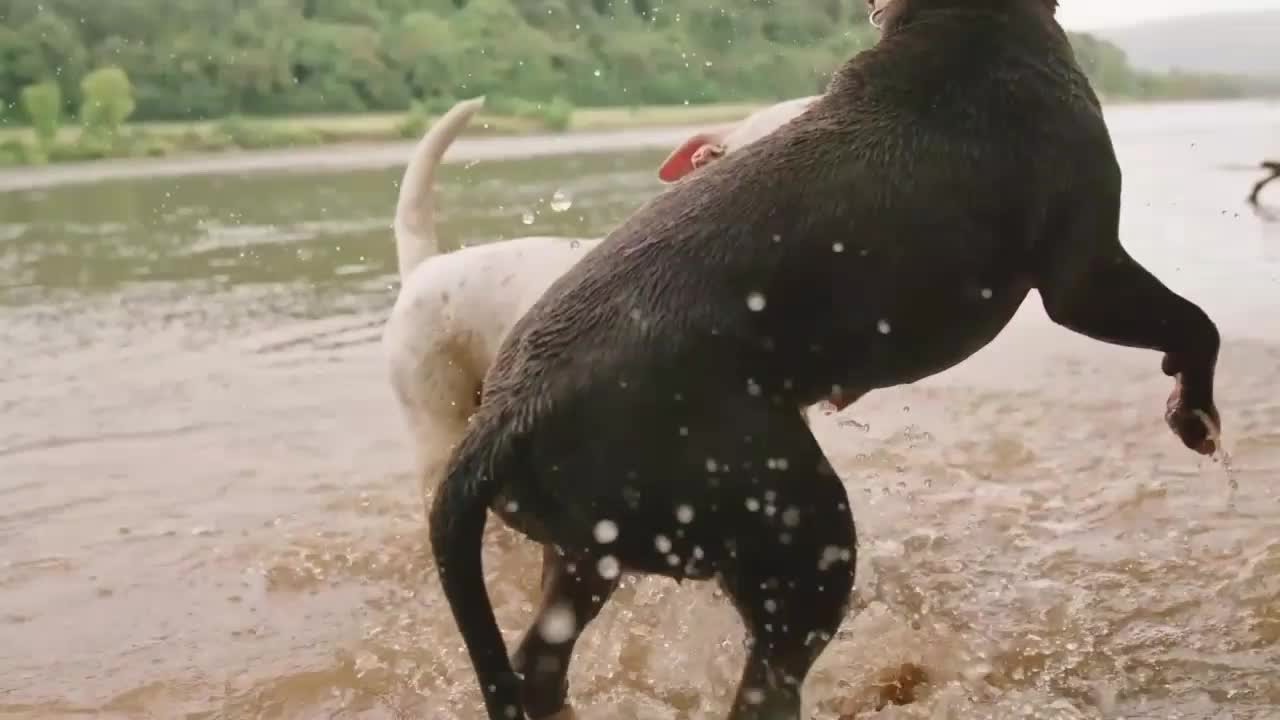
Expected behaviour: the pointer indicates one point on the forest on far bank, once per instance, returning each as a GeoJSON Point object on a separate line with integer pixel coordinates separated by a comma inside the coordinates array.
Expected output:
{"type": "Point", "coordinates": [209, 59]}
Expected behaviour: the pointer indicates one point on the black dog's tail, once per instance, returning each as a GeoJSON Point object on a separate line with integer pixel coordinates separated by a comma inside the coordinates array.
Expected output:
{"type": "Point", "coordinates": [457, 520]}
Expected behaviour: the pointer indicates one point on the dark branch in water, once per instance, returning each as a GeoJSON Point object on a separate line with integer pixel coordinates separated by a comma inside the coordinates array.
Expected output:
{"type": "Point", "coordinates": [1272, 166]}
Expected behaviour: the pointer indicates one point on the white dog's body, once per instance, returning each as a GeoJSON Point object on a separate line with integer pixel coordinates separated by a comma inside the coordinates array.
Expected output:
{"type": "Point", "coordinates": [454, 310]}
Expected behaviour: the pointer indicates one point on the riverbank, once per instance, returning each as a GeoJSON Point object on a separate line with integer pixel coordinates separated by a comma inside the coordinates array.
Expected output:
{"type": "Point", "coordinates": [19, 146]}
{"type": "Point", "coordinates": [347, 156]}
{"type": "Point", "coordinates": [616, 130]}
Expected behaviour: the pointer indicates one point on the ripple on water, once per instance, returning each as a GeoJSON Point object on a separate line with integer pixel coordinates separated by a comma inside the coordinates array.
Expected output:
{"type": "Point", "coordinates": [11, 231]}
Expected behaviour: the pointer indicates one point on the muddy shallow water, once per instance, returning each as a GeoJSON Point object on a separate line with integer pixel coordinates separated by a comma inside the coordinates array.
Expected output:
{"type": "Point", "coordinates": [206, 509]}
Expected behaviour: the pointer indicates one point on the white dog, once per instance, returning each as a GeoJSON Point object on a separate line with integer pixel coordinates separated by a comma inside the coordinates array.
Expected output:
{"type": "Point", "coordinates": [454, 310]}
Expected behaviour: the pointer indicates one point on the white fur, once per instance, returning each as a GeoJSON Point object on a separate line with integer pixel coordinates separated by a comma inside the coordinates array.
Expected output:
{"type": "Point", "coordinates": [763, 122]}
{"type": "Point", "coordinates": [454, 310]}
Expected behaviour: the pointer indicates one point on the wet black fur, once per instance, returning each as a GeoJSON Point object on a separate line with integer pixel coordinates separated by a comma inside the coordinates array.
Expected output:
{"type": "Point", "coordinates": [892, 229]}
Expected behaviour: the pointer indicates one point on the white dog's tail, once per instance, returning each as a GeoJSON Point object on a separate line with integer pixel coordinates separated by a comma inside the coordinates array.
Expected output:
{"type": "Point", "coordinates": [415, 222]}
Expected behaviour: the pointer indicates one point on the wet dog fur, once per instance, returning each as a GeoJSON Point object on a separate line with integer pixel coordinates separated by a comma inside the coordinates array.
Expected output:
{"type": "Point", "coordinates": [453, 310]}
{"type": "Point", "coordinates": [641, 416]}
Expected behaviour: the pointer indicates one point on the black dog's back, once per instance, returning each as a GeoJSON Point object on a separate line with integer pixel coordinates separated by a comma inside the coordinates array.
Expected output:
{"type": "Point", "coordinates": [889, 217]}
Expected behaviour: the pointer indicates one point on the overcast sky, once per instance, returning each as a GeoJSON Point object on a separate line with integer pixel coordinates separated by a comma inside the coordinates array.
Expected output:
{"type": "Point", "coordinates": [1085, 14]}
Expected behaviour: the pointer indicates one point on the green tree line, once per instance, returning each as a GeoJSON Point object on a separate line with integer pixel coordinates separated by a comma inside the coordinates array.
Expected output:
{"type": "Point", "coordinates": [205, 59]}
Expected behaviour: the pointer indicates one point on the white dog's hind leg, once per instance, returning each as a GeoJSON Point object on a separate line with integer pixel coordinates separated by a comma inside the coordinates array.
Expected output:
{"type": "Point", "coordinates": [437, 394]}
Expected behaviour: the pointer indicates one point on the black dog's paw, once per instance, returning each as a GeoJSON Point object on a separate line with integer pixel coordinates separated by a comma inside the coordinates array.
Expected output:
{"type": "Point", "coordinates": [1198, 428]}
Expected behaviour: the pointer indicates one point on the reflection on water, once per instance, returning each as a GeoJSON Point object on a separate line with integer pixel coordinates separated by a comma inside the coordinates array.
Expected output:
{"type": "Point", "coordinates": [205, 509]}
{"type": "Point", "coordinates": [324, 231]}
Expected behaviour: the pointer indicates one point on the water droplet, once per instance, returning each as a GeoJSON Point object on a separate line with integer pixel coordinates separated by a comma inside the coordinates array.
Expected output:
{"type": "Point", "coordinates": [673, 560]}
{"type": "Point", "coordinates": [771, 605]}
{"type": "Point", "coordinates": [513, 506]}
{"type": "Point", "coordinates": [755, 301]}
{"type": "Point", "coordinates": [662, 543]}
{"type": "Point", "coordinates": [711, 465]}
{"type": "Point", "coordinates": [753, 504]}
{"type": "Point", "coordinates": [527, 217]}
{"type": "Point", "coordinates": [608, 567]}
{"type": "Point", "coordinates": [837, 247]}
{"type": "Point", "coordinates": [684, 514]}
{"type": "Point", "coordinates": [884, 327]}
{"type": "Point", "coordinates": [753, 696]}
{"type": "Point", "coordinates": [684, 431]}
{"type": "Point", "coordinates": [597, 72]}
{"type": "Point", "coordinates": [606, 531]}
{"type": "Point", "coordinates": [560, 201]}
{"type": "Point", "coordinates": [558, 624]}
{"type": "Point", "coordinates": [987, 293]}
{"type": "Point", "coordinates": [791, 517]}
{"type": "Point", "coordinates": [830, 555]}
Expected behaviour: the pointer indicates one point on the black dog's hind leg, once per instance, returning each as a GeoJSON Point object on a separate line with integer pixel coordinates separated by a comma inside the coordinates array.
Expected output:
{"type": "Point", "coordinates": [573, 591]}
{"type": "Point", "coordinates": [790, 581]}
{"type": "Point", "coordinates": [1090, 285]}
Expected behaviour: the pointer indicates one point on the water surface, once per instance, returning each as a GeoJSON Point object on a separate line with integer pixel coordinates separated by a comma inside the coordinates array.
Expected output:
{"type": "Point", "coordinates": [206, 509]}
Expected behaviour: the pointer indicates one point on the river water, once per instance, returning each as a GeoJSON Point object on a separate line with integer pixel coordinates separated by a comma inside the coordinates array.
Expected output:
{"type": "Point", "coordinates": [206, 509]}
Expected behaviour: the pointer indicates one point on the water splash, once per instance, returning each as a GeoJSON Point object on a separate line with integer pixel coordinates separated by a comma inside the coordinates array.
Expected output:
{"type": "Point", "coordinates": [606, 531]}
{"type": "Point", "coordinates": [560, 201]}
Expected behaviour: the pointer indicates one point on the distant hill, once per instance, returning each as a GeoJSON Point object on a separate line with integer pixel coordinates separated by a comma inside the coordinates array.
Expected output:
{"type": "Point", "coordinates": [1245, 43]}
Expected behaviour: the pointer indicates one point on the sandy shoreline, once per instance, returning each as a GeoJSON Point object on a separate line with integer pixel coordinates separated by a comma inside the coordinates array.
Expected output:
{"type": "Point", "coordinates": [350, 156]}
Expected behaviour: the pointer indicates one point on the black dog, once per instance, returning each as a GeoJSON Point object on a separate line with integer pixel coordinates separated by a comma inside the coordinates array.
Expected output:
{"type": "Point", "coordinates": [1274, 168]}
{"type": "Point", "coordinates": [642, 416]}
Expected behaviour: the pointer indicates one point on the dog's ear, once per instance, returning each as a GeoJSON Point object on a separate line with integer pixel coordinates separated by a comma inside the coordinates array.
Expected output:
{"type": "Point", "coordinates": [680, 162]}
